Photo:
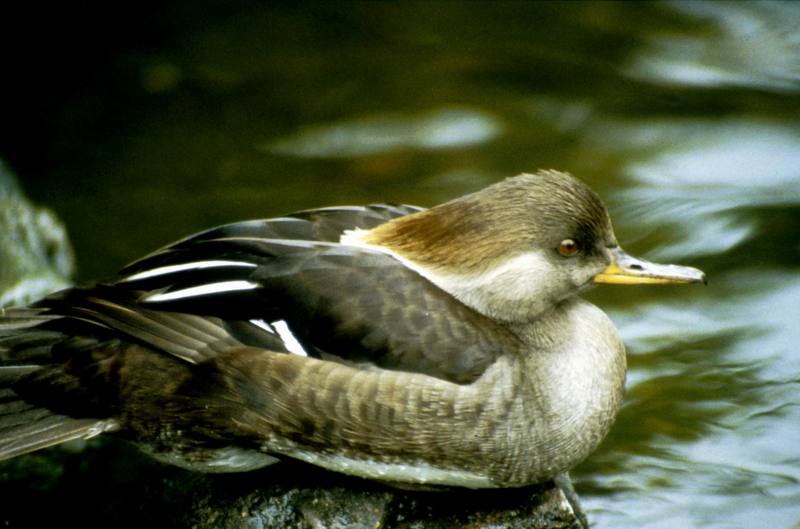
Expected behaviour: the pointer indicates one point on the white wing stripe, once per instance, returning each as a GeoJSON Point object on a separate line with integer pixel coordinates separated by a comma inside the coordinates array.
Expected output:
{"type": "Point", "coordinates": [198, 265]}
{"type": "Point", "coordinates": [202, 290]}
{"type": "Point", "coordinates": [336, 208]}
{"type": "Point", "coordinates": [284, 219]}
{"type": "Point", "coordinates": [261, 324]}
{"type": "Point", "coordinates": [288, 338]}
{"type": "Point", "coordinates": [295, 243]}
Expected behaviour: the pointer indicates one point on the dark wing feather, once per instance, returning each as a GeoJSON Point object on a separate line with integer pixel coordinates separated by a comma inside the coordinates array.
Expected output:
{"type": "Point", "coordinates": [341, 302]}
{"type": "Point", "coordinates": [373, 309]}
{"type": "Point", "coordinates": [192, 338]}
{"type": "Point", "coordinates": [321, 225]}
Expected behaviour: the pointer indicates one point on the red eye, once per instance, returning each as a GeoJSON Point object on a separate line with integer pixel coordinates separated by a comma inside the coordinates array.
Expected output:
{"type": "Point", "coordinates": [568, 248]}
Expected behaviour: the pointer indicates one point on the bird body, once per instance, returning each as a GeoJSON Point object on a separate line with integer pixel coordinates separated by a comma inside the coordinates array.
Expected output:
{"type": "Point", "coordinates": [427, 347]}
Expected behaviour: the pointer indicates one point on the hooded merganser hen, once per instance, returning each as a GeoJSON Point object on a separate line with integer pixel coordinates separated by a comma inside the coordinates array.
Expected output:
{"type": "Point", "coordinates": [443, 346]}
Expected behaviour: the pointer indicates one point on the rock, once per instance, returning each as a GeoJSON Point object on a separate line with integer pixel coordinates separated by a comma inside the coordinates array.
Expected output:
{"type": "Point", "coordinates": [35, 255]}
{"type": "Point", "coordinates": [295, 495]}
{"type": "Point", "coordinates": [123, 488]}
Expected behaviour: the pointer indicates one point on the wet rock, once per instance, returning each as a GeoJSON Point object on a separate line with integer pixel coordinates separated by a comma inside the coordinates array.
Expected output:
{"type": "Point", "coordinates": [294, 495]}
{"type": "Point", "coordinates": [35, 255]}
{"type": "Point", "coordinates": [123, 488]}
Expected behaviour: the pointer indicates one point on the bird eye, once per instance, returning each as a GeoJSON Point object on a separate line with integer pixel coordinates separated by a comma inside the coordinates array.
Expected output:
{"type": "Point", "coordinates": [568, 248]}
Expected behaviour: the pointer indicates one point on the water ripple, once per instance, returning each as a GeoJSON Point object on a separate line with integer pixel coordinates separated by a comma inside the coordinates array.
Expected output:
{"type": "Point", "coordinates": [442, 128]}
{"type": "Point", "coordinates": [756, 44]}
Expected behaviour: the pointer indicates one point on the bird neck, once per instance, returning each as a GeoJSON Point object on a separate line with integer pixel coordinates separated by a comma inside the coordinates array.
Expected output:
{"type": "Point", "coordinates": [562, 392]}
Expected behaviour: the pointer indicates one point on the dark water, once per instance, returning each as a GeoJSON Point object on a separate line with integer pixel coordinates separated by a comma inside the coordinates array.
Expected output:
{"type": "Point", "coordinates": [140, 128]}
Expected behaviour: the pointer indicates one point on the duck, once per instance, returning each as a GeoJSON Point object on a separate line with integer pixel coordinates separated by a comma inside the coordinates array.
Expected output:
{"type": "Point", "coordinates": [445, 346]}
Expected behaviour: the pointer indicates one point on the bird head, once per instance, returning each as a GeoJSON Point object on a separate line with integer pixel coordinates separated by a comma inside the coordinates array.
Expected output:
{"type": "Point", "coordinates": [518, 247]}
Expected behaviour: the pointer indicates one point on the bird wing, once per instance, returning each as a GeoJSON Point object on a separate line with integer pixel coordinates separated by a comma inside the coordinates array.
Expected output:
{"type": "Point", "coordinates": [321, 225]}
{"type": "Point", "coordinates": [287, 278]}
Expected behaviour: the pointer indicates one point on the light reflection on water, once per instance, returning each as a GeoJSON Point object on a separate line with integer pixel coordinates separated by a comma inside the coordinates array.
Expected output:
{"type": "Point", "coordinates": [698, 176]}
{"type": "Point", "coordinates": [444, 128]}
{"type": "Point", "coordinates": [689, 130]}
{"type": "Point", "coordinates": [752, 44]}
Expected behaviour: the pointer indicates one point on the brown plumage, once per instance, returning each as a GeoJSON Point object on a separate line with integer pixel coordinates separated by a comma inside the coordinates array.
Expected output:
{"type": "Point", "coordinates": [476, 231]}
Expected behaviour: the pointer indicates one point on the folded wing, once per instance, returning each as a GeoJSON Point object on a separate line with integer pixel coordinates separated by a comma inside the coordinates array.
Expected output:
{"type": "Point", "coordinates": [337, 302]}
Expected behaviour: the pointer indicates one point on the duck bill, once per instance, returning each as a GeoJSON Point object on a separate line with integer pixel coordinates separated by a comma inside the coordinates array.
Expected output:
{"type": "Point", "coordinates": [628, 270]}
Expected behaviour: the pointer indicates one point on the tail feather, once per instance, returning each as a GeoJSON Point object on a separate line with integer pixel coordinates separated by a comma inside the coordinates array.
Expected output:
{"type": "Point", "coordinates": [21, 342]}
{"type": "Point", "coordinates": [10, 375]}
{"type": "Point", "coordinates": [25, 427]}
{"type": "Point", "coordinates": [13, 411]}
{"type": "Point", "coordinates": [42, 429]}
